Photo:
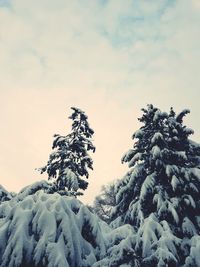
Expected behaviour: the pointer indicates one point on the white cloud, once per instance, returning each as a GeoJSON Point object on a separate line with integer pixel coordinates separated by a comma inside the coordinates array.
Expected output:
{"type": "Point", "coordinates": [196, 4]}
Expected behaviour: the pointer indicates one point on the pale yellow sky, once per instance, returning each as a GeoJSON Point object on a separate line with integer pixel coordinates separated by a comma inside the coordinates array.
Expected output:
{"type": "Point", "coordinates": [110, 58]}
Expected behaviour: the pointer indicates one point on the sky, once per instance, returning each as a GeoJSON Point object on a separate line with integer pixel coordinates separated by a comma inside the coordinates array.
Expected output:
{"type": "Point", "coordinates": [108, 57]}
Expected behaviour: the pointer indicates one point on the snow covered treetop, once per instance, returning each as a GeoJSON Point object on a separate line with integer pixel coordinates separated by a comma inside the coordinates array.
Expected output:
{"type": "Point", "coordinates": [4, 194]}
{"type": "Point", "coordinates": [152, 112]}
{"type": "Point", "coordinates": [159, 128]}
{"type": "Point", "coordinates": [58, 231]}
{"type": "Point", "coordinates": [49, 230]}
{"type": "Point", "coordinates": [80, 121]}
{"type": "Point", "coordinates": [160, 194]}
{"type": "Point", "coordinates": [70, 161]}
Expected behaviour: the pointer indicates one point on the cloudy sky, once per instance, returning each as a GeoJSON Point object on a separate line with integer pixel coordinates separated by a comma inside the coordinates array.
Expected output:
{"type": "Point", "coordinates": [108, 57]}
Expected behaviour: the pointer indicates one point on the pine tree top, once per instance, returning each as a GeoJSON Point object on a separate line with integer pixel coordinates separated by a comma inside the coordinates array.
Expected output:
{"type": "Point", "coordinates": [69, 162]}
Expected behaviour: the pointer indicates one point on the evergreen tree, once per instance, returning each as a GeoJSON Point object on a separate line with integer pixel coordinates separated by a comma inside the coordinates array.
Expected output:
{"type": "Point", "coordinates": [104, 202]}
{"type": "Point", "coordinates": [4, 194]}
{"type": "Point", "coordinates": [160, 195]}
{"type": "Point", "coordinates": [69, 162]}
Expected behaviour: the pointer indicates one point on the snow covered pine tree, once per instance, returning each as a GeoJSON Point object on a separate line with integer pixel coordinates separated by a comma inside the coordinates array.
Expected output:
{"type": "Point", "coordinates": [69, 162]}
{"type": "Point", "coordinates": [104, 202]}
{"type": "Point", "coordinates": [160, 195]}
{"type": "Point", "coordinates": [40, 229]}
{"type": "Point", "coordinates": [4, 194]}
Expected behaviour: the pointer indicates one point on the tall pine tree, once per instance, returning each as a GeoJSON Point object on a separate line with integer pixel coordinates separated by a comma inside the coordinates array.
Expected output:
{"type": "Point", "coordinates": [160, 195]}
{"type": "Point", "coordinates": [69, 162]}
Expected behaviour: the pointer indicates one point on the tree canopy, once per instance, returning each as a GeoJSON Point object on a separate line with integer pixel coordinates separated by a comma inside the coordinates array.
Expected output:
{"type": "Point", "coordinates": [69, 162]}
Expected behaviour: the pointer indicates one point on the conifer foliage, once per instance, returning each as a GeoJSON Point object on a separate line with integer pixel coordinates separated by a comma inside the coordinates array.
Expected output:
{"type": "Point", "coordinates": [155, 207]}
{"type": "Point", "coordinates": [104, 202]}
{"type": "Point", "coordinates": [160, 195]}
{"type": "Point", "coordinates": [69, 162]}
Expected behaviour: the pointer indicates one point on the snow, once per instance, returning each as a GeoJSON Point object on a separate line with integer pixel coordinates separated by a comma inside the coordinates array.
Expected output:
{"type": "Point", "coordinates": [167, 230]}
{"type": "Point", "coordinates": [136, 157]}
{"type": "Point", "coordinates": [189, 201]}
{"type": "Point", "coordinates": [195, 172]}
{"type": "Point", "coordinates": [157, 242]}
{"type": "Point", "coordinates": [128, 181]}
{"type": "Point", "coordinates": [188, 131]}
{"type": "Point", "coordinates": [164, 257]}
{"type": "Point", "coordinates": [38, 228]}
{"type": "Point", "coordinates": [148, 234]}
{"type": "Point", "coordinates": [181, 154]}
{"type": "Point", "coordinates": [128, 155]}
{"type": "Point", "coordinates": [159, 114]}
{"type": "Point", "coordinates": [179, 117]}
{"type": "Point", "coordinates": [32, 189]}
{"type": "Point", "coordinates": [71, 180]}
{"type": "Point", "coordinates": [139, 133]}
{"type": "Point", "coordinates": [120, 252]}
{"type": "Point", "coordinates": [194, 257]}
{"type": "Point", "coordinates": [147, 185]}
{"type": "Point", "coordinates": [49, 228]}
{"type": "Point", "coordinates": [156, 152]}
{"type": "Point", "coordinates": [164, 206]}
{"type": "Point", "coordinates": [4, 194]}
{"type": "Point", "coordinates": [193, 187]}
{"type": "Point", "coordinates": [43, 229]}
{"type": "Point", "coordinates": [172, 205]}
{"type": "Point", "coordinates": [188, 227]}
{"type": "Point", "coordinates": [136, 213]}
{"type": "Point", "coordinates": [171, 170]}
{"type": "Point", "coordinates": [174, 182]}
{"type": "Point", "coordinates": [157, 136]}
